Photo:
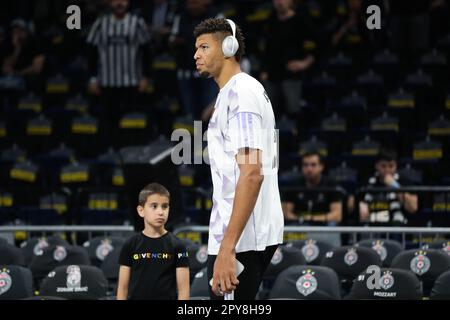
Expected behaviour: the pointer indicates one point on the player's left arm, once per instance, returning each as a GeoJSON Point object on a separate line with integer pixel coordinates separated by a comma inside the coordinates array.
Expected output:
{"type": "Point", "coordinates": [246, 136]}
{"type": "Point", "coordinates": [246, 194]}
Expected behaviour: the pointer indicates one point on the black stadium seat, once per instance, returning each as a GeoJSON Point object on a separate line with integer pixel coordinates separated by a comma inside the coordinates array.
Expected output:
{"type": "Point", "coordinates": [313, 250]}
{"type": "Point", "coordinates": [391, 284]}
{"type": "Point", "coordinates": [441, 288]}
{"type": "Point", "coordinates": [16, 282]}
{"type": "Point", "coordinates": [443, 245]}
{"type": "Point", "coordinates": [198, 255]}
{"type": "Point", "coordinates": [386, 249]}
{"type": "Point", "coordinates": [34, 246]}
{"type": "Point", "coordinates": [75, 282]}
{"type": "Point", "coordinates": [44, 298]}
{"type": "Point", "coordinates": [428, 265]}
{"type": "Point", "coordinates": [11, 255]}
{"type": "Point", "coordinates": [55, 256]}
{"type": "Point", "coordinates": [349, 262]}
{"type": "Point", "coordinates": [306, 282]}
{"type": "Point", "coordinates": [283, 258]}
{"type": "Point", "coordinates": [199, 286]}
{"type": "Point", "coordinates": [99, 247]}
{"type": "Point", "coordinates": [110, 266]}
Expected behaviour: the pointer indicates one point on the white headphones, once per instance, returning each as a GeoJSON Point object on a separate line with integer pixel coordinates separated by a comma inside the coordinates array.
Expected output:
{"type": "Point", "coordinates": [230, 44]}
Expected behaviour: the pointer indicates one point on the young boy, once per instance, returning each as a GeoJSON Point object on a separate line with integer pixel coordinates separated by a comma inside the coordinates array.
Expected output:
{"type": "Point", "coordinates": [153, 264]}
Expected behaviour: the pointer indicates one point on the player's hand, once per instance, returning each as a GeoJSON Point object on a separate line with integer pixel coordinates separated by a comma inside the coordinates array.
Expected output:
{"type": "Point", "coordinates": [224, 276]}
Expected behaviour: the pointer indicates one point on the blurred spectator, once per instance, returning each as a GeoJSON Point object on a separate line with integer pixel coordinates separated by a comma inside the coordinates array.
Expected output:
{"type": "Point", "coordinates": [440, 20]}
{"type": "Point", "coordinates": [313, 206]}
{"type": "Point", "coordinates": [119, 59]}
{"type": "Point", "coordinates": [196, 92]}
{"type": "Point", "coordinates": [285, 60]}
{"type": "Point", "coordinates": [2, 45]}
{"type": "Point", "coordinates": [25, 56]}
{"type": "Point", "coordinates": [161, 16]}
{"type": "Point", "coordinates": [352, 35]}
{"type": "Point", "coordinates": [410, 26]}
{"type": "Point", "coordinates": [387, 207]}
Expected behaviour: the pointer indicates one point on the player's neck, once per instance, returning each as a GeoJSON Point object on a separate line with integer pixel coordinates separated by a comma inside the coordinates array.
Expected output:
{"type": "Point", "coordinates": [152, 232]}
{"type": "Point", "coordinates": [230, 69]}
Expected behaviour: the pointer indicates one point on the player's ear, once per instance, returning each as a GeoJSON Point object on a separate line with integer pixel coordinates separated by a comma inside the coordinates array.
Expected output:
{"type": "Point", "coordinates": [140, 211]}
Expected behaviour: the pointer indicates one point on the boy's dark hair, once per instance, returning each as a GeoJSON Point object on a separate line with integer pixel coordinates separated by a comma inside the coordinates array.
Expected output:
{"type": "Point", "coordinates": [387, 154]}
{"type": "Point", "coordinates": [310, 153]}
{"type": "Point", "coordinates": [220, 25]}
{"type": "Point", "coordinates": [151, 189]}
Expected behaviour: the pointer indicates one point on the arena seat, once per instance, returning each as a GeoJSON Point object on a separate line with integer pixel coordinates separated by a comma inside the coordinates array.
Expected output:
{"type": "Point", "coordinates": [387, 249]}
{"type": "Point", "coordinates": [198, 256]}
{"type": "Point", "coordinates": [313, 250]}
{"type": "Point", "coordinates": [348, 262]}
{"type": "Point", "coordinates": [16, 282]}
{"type": "Point", "coordinates": [443, 245]}
{"type": "Point", "coordinates": [441, 287]}
{"type": "Point", "coordinates": [283, 258]}
{"type": "Point", "coordinates": [11, 255]}
{"type": "Point", "coordinates": [427, 265]}
{"type": "Point", "coordinates": [306, 282]}
{"type": "Point", "coordinates": [199, 286]}
{"type": "Point", "coordinates": [35, 246]}
{"type": "Point", "coordinates": [392, 284]}
{"type": "Point", "coordinates": [54, 256]}
{"type": "Point", "coordinates": [99, 247]}
{"type": "Point", "coordinates": [75, 282]}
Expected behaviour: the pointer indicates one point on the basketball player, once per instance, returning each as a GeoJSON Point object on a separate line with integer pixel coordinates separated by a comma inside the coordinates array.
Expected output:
{"type": "Point", "coordinates": [246, 224]}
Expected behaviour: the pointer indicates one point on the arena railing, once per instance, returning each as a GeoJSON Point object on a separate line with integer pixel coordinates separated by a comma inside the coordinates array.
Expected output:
{"type": "Point", "coordinates": [426, 214]}
{"type": "Point", "coordinates": [355, 230]}
{"type": "Point", "coordinates": [45, 230]}
{"type": "Point", "coordinates": [371, 232]}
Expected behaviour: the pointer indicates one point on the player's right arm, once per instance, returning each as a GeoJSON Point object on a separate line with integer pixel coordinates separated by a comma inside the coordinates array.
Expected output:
{"type": "Point", "coordinates": [124, 281]}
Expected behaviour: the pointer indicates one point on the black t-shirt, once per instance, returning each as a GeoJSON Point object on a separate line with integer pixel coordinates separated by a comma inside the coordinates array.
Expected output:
{"type": "Point", "coordinates": [313, 202]}
{"type": "Point", "coordinates": [30, 50]}
{"type": "Point", "coordinates": [153, 263]}
{"type": "Point", "coordinates": [285, 40]}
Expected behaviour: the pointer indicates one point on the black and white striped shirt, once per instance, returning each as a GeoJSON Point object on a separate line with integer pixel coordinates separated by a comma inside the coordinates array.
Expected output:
{"type": "Point", "coordinates": [385, 207]}
{"type": "Point", "coordinates": [119, 45]}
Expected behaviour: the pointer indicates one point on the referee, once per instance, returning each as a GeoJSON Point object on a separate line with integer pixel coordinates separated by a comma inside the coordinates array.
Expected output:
{"type": "Point", "coordinates": [246, 224]}
{"type": "Point", "coordinates": [119, 59]}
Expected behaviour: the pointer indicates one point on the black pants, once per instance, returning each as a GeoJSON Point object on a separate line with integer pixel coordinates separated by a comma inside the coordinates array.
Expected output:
{"type": "Point", "coordinates": [255, 265]}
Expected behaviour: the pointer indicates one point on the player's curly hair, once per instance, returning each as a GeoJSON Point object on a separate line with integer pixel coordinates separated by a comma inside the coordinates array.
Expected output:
{"type": "Point", "coordinates": [221, 27]}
